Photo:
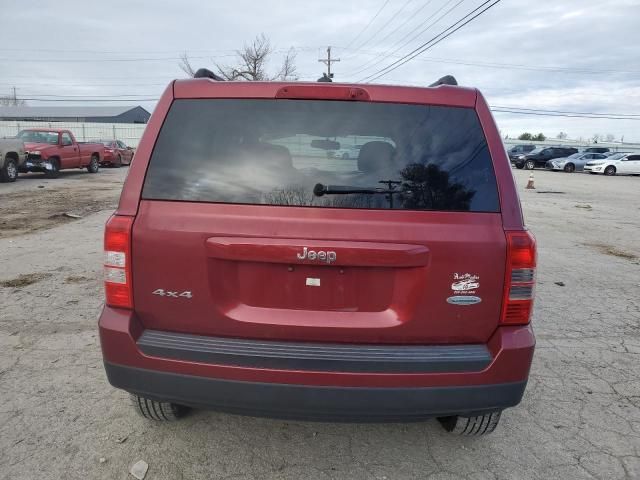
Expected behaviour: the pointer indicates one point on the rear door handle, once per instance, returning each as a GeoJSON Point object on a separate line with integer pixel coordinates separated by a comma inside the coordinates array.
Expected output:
{"type": "Point", "coordinates": [317, 252]}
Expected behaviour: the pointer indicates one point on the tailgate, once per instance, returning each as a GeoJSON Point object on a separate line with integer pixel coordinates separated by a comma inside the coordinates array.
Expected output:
{"type": "Point", "coordinates": [208, 269]}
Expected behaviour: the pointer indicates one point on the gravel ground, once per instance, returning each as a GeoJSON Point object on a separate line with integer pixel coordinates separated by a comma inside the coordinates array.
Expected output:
{"type": "Point", "coordinates": [580, 417]}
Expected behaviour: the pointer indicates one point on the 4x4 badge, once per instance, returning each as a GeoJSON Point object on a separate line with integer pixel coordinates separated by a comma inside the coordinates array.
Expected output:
{"type": "Point", "coordinates": [171, 294]}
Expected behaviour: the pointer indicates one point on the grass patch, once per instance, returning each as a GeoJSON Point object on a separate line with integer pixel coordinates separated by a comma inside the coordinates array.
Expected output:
{"type": "Point", "coordinates": [24, 280]}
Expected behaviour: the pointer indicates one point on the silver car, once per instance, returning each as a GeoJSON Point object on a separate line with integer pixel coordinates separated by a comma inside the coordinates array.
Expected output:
{"type": "Point", "coordinates": [575, 162]}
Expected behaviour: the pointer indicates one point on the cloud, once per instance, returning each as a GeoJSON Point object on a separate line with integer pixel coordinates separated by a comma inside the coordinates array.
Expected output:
{"type": "Point", "coordinates": [506, 52]}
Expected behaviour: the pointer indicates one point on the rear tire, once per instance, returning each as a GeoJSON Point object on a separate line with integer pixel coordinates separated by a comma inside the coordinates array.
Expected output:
{"type": "Point", "coordinates": [610, 170]}
{"type": "Point", "coordinates": [119, 162]}
{"type": "Point", "coordinates": [530, 165]}
{"type": "Point", "coordinates": [94, 164]}
{"type": "Point", "coordinates": [159, 411]}
{"type": "Point", "coordinates": [569, 168]}
{"type": "Point", "coordinates": [55, 169]}
{"type": "Point", "coordinates": [471, 426]}
{"type": "Point", "coordinates": [519, 166]}
{"type": "Point", "coordinates": [9, 173]}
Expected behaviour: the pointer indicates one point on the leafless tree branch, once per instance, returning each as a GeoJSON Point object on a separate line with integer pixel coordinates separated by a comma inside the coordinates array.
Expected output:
{"type": "Point", "coordinates": [288, 70]}
{"type": "Point", "coordinates": [185, 65]}
{"type": "Point", "coordinates": [252, 63]}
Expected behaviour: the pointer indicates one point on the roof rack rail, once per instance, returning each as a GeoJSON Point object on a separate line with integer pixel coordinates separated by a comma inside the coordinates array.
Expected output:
{"type": "Point", "coordinates": [206, 73]}
{"type": "Point", "coordinates": [446, 80]}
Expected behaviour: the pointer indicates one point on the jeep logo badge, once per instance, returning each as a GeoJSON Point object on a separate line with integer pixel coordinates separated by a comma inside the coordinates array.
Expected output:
{"type": "Point", "coordinates": [320, 255]}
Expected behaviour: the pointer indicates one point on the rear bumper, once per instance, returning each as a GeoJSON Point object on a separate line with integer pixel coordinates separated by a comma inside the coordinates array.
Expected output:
{"type": "Point", "coordinates": [339, 383]}
{"type": "Point", "coordinates": [315, 402]}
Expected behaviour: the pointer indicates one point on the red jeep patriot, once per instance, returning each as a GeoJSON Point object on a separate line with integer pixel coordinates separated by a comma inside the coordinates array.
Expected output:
{"type": "Point", "coordinates": [251, 269]}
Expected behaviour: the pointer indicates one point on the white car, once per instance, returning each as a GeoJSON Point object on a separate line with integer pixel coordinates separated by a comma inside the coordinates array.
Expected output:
{"type": "Point", "coordinates": [616, 164]}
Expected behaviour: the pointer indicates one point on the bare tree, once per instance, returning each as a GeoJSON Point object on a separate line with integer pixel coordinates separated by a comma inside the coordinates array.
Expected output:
{"type": "Point", "coordinates": [562, 135]}
{"type": "Point", "coordinates": [596, 137]}
{"type": "Point", "coordinates": [185, 65]}
{"type": "Point", "coordinates": [251, 64]}
{"type": "Point", "coordinates": [610, 137]}
{"type": "Point", "coordinates": [11, 101]}
{"type": "Point", "coordinates": [288, 69]}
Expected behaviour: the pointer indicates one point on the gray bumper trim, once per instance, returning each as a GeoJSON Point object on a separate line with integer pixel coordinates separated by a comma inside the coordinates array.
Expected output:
{"type": "Point", "coordinates": [315, 356]}
{"type": "Point", "coordinates": [315, 402]}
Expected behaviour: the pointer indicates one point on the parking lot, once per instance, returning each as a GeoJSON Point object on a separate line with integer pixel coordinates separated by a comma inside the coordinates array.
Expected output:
{"type": "Point", "coordinates": [59, 418]}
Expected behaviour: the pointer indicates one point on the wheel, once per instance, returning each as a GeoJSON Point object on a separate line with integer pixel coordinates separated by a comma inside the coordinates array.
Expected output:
{"type": "Point", "coordinates": [55, 169]}
{"type": "Point", "coordinates": [610, 170]}
{"type": "Point", "coordinates": [118, 164]}
{"type": "Point", "coordinates": [530, 165]}
{"type": "Point", "coordinates": [9, 173]}
{"type": "Point", "coordinates": [519, 166]}
{"type": "Point", "coordinates": [94, 165]}
{"type": "Point", "coordinates": [471, 426]}
{"type": "Point", "coordinates": [569, 168]}
{"type": "Point", "coordinates": [160, 411]}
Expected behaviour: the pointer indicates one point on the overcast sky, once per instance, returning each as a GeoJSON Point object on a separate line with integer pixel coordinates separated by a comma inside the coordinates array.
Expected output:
{"type": "Point", "coordinates": [569, 56]}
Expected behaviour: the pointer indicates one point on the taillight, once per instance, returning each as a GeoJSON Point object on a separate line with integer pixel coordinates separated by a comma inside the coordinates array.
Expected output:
{"type": "Point", "coordinates": [520, 277]}
{"type": "Point", "coordinates": [117, 262]}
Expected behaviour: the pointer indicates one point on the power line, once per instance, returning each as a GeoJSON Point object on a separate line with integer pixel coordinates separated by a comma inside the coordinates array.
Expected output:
{"type": "Point", "coordinates": [368, 24]}
{"type": "Point", "coordinates": [433, 41]}
{"type": "Point", "coordinates": [525, 67]}
{"type": "Point", "coordinates": [564, 111]}
{"type": "Point", "coordinates": [135, 59]}
{"type": "Point", "coordinates": [92, 100]}
{"type": "Point", "coordinates": [370, 63]}
{"type": "Point", "coordinates": [47, 95]}
{"type": "Point", "coordinates": [393, 17]}
{"type": "Point", "coordinates": [104, 60]}
{"type": "Point", "coordinates": [560, 115]}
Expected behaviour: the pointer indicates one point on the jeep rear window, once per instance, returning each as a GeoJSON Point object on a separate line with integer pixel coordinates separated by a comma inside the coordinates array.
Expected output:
{"type": "Point", "coordinates": [275, 152]}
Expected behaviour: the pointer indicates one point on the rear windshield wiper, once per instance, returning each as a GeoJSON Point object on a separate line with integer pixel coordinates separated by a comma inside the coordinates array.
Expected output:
{"type": "Point", "coordinates": [319, 190]}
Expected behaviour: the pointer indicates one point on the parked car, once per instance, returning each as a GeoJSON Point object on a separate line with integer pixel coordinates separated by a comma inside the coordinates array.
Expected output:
{"type": "Point", "coordinates": [596, 150]}
{"type": "Point", "coordinates": [345, 153]}
{"type": "Point", "coordinates": [12, 157]}
{"type": "Point", "coordinates": [539, 157]}
{"type": "Point", "coordinates": [241, 278]}
{"type": "Point", "coordinates": [51, 150]}
{"type": "Point", "coordinates": [573, 163]}
{"type": "Point", "coordinates": [116, 153]}
{"type": "Point", "coordinates": [616, 164]}
{"type": "Point", "coordinates": [516, 150]}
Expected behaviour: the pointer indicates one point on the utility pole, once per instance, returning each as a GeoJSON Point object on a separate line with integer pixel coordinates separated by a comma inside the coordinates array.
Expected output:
{"type": "Point", "coordinates": [15, 98]}
{"type": "Point", "coordinates": [328, 61]}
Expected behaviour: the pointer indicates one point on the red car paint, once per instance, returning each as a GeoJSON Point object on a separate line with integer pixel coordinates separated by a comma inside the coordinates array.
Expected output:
{"type": "Point", "coordinates": [116, 153]}
{"type": "Point", "coordinates": [388, 283]}
{"type": "Point", "coordinates": [67, 151]}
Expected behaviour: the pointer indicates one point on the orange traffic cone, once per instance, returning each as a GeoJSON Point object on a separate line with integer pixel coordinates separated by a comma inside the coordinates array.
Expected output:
{"type": "Point", "coordinates": [530, 182]}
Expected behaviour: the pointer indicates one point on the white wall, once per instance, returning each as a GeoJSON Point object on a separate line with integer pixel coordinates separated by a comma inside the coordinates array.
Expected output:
{"type": "Point", "coordinates": [129, 133]}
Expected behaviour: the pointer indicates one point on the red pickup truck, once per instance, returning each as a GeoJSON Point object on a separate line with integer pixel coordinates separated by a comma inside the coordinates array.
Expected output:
{"type": "Point", "coordinates": [50, 150]}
